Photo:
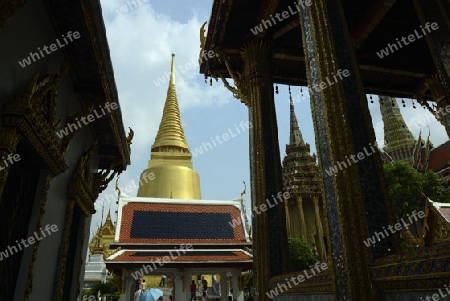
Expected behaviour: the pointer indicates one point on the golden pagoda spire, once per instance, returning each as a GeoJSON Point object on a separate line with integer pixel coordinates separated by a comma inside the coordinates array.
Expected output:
{"type": "Point", "coordinates": [170, 165]}
{"type": "Point", "coordinates": [170, 131]}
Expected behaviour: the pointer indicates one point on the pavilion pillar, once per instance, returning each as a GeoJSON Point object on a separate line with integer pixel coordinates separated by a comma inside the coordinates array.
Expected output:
{"type": "Point", "coordinates": [438, 40]}
{"type": "Point", "coordinates": [130, 285]}
{"type": "Point", "coordinates": [178, 285]}
{"type": "Point", "coordinates": [238, 293]}
{"type": "Point", "coordinates": [268, 224]}
{"type": "Point", "coordinates": [356, 198]}
{"type": "Point", "coordinates": [301, 217]}
{"type": "Point", "coordinates": [288, 219]}
{"type": "Point", "coordinates": [224, 289]}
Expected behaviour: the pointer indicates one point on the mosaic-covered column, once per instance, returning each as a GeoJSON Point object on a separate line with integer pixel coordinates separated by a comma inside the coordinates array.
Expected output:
{"type": "Point", "coordinates": [319, 231]}
{"type": "Point", "coordinates": [301, 217]}
{"type": "Point", "coordinates": [437, 14]}
{"type": "Point", "coordinates": [355, 195]}
{"type": "Point", "coordinates": [269, 226]}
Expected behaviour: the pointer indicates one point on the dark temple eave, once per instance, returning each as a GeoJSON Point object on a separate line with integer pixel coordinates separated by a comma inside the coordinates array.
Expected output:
{"type": "Point", "coordinates": [372, 24]}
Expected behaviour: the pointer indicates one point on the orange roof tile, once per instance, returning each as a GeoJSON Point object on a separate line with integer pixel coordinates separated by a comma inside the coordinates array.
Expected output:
{"type": "Point", "coordinates": [132, 209]}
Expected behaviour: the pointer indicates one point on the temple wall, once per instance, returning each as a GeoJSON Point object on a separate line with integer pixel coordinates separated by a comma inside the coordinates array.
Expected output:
{"type": "Point", "coordinates": [29, 29]}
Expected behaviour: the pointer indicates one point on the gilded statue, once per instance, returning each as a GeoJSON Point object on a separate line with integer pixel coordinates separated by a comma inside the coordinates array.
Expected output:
{"type": "Point", "coordinates": [202, 40]}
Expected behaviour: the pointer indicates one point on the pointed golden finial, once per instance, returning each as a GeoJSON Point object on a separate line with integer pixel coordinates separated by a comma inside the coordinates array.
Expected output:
{"type": "Point", "coordinates": [172, 72]}
{"type": "Point", "coordinates": [170, 133]}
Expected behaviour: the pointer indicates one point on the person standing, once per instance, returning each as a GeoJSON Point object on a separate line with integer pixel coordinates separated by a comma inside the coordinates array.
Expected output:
{"type": "Point", "coordinates": [143, 285]}
{"type": "Point", "coordinates": [204, 284]}
{"type": "Point", "coordinates": [193, 288]}
{"type": "Point", "coordinates": [163, 281]}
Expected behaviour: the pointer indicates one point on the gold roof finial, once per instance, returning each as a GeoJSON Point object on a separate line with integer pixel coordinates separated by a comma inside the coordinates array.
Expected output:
{"type": "Point", "coordinates": [170, 131]}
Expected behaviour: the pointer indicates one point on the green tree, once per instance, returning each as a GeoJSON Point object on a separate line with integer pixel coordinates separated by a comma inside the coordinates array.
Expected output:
{"type": "Point", "coordinates": [108, 288]}
{"type": "Point", "coordinates": [405, 185]}
{"type": "Point", "coordinates": [301, 255]}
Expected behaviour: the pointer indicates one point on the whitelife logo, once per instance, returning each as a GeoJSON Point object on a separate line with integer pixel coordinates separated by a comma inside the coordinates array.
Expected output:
{"type": "Point", "coordinates": [90, 118]}
{"type": "Point", "coordinates": [360, 156]}
{"type": "Point", "coordinates": [10, 251]}
{"type": "Point", "coordinates": [199, 150]}
{"type": "Point", "coordinates": [373, 240]}
{"type": "Point", "coordinates": [263, 207]}
{"type": "Point", "coordinates": [124, 9]}
{"type": "Point", "coordinates": [161, 261]}
{"type": "Point", "coordinates": [411, 38]}
{"type": "Point", "coordinates": [35, 56]}
{"type": "Point", "coordinates": [280, 17]}
{"type": "Point", "coordinates": [11, 159]}
{"type": "Point", "coordinates": [302, 277]}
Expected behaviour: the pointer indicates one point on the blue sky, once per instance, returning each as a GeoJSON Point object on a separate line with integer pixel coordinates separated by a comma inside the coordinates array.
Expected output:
{"type": "Point", "coordinates": [141, 42]}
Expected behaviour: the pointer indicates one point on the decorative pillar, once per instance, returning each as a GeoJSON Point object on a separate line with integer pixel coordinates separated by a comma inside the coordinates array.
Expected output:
{"type": "Point", "coordinates": [269, 227]}
{"type": "Point", "coordinates": [238, 294]}
{"type": "Point", "coordinates": [223, 287]}
{"type": "Point", "coordinates": [438, 40]}
{"type": "Point", "coordinates": [130, 286]}
{"type": "Point", "coordinates": [288, 219]}
{"type": "Point", "coordinates": [187, 276]}
{"type": "Point", "coordinates": [319, 231]}
{"type": "Point", "coordinates": [301, 217]}
{"type": "Point", "coordinates": [355, 196]}
{"type": "Point", "coordinates": [178, 284]}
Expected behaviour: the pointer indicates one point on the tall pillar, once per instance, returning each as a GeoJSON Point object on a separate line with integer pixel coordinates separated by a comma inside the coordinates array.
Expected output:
{"type": "Point", "coordinates": [301, 217]}
{"type": "Point", "coordinates": [224, 287]}
{"type": "Point", "coordinates": [438, 40]}
{"type": "Point", "coordinates": [269, 227]}
{"type": "Point", "coordinates": [238, 293]}
{"type": "Point", "coordinates": [355, 203]}
{"type": "Point", "coordinates": [187, 278]}
{"type": "Point", "coordinates": [178, 285]}
{"type": "Point", "coordinates": [319, 231]}
{"type": "Point", "coordinates": [129, 291]}
{"type": "Point", "coordinates": [288, 219]}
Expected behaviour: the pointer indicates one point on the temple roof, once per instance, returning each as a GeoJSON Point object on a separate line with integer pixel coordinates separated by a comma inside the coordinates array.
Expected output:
{"type": "Point", "coordinates": [153, 221]}
{"type": "Point", "coordinates": [440, 156]}
{"type": "Point", "coordinates": [372, 25]}
{"type": "Point", "coordinates": [92, 74]}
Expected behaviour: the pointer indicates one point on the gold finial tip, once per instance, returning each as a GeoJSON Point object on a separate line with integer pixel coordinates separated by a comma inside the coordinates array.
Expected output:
{"type": "Point", "coordinates": [173, 54]}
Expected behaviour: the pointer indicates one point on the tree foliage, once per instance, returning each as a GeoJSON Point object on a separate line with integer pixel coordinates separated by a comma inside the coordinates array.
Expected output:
{"type": "Point", "coordinates": [405, 185]}
{"type": "Point", "coordinates": [301, 255]}
{"type": "Point", "coordinates": [108, 288]}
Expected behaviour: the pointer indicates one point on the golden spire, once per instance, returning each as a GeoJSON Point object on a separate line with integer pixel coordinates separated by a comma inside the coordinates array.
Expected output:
{"type": "Point", "coordinates": [170, 166]}
{"type": "Point", "coordinates": [170, 131]}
